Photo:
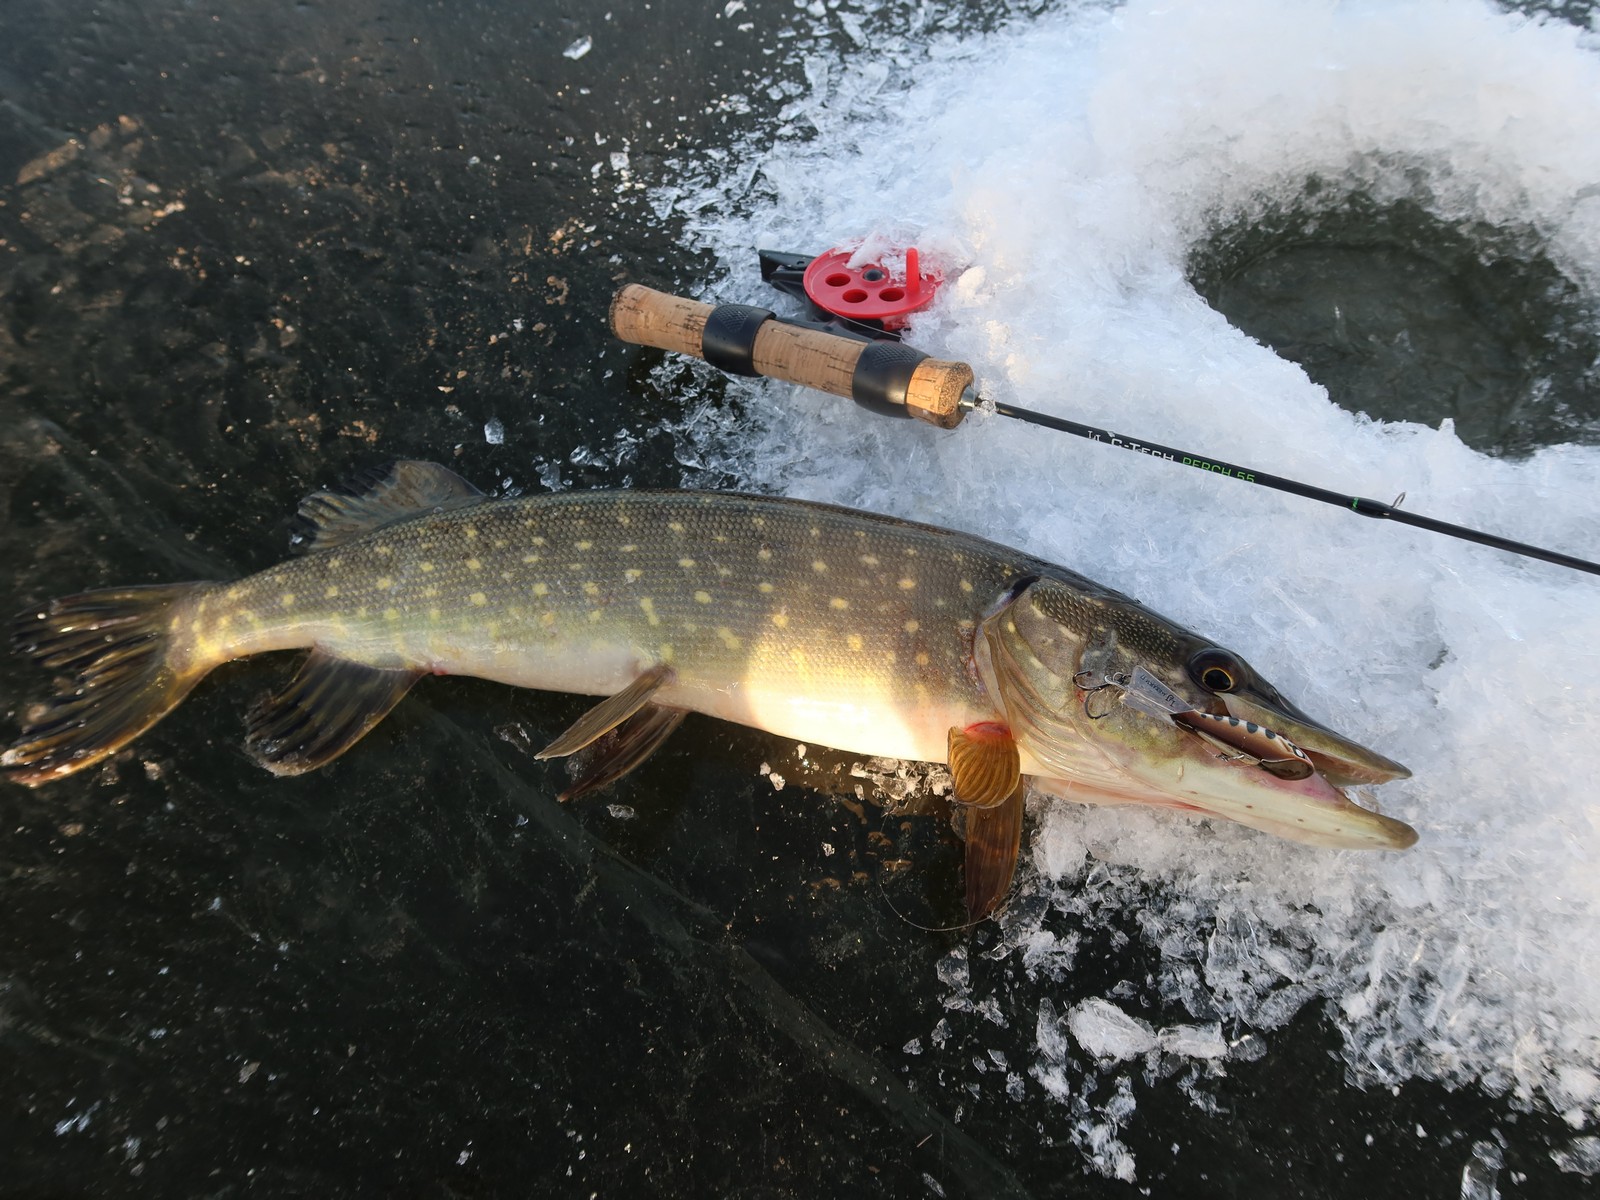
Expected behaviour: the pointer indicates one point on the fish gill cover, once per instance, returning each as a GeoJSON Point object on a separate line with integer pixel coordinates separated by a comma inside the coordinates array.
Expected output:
{"type": "Point", "coordinates": [1062, 169]}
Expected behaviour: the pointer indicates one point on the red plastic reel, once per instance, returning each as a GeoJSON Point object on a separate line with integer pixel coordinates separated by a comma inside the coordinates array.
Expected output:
{"type": "Point", "coordinates": [869, 292]}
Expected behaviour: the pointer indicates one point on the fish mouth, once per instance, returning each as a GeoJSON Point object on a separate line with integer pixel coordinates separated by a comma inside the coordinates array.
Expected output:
{"type": "Point", "coordinates": [1339, 760]}
{"type": "Point", "coordinates": [1284, 774]}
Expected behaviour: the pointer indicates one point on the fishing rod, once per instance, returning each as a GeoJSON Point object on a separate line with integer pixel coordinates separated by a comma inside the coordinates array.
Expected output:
{"type": "Point", "coordinates": [857, 355]}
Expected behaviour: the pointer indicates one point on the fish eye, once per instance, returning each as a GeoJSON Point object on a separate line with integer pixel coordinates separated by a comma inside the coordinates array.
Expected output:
{"type": "Point", "coordinates": [1216, 670]}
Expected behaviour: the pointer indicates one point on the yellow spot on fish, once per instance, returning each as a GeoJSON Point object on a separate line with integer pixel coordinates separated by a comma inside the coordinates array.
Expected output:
{"type": "Point", "coordinates": [869, 560]}
{"type": "Point", "coordinates": [505, 576]}
{"type": "Point", "coordinates": [815, 532]}
{"type": "Point", "coordinates": [911, 551]}
{"type": "Point", "coordinates": [530, 559]}
{"type": "Point", "coordinates": [383, 583]}
{"type": "Point", "coordinates": [541, 589]}
{"type": "Point", "coordinates": [719, 537]}
{"type": "Point", "coordinates": [471, 531]}
{"type": "Point", "coordinates": [686, 563]}
{"type": "Point", "coordinates": [966, 585]}
{"type": "Point", "coordinates": [594, 616]}
{"type": "Point", "coordinates": [391, 614]}
{"type": "Point", "coordinates": [907, 583]}
{"type": "Point", "coordinates": [675, 526]}
{"type": "Point", "coordinates": [889, 658]}
{"type": "Point", "coordinates": [798, 657]}
{"type": "Point", "coordinates": [478, 599]}
{"type": "Point", "coordinates": [729, 639]}
{"type": "Point", "coordinates": [583, 545]}
{"type": "Point", "coordinates": [335, 563]}
{"type": "Point", "coordinates": [764, 588]}
{"type": "Point", "coordinates": [648, 607]}
{"type": "Point", "coordinates": [361, 613]}
{"type": "Point", "coordinates": [591, 588]}
{"type": "Point", "coordinates": [724, 572]}
{"type": "Point", "coordinates": [853, 640]}
{"type": "Point", "coordinates": [912, 626]}
{"type": "Point", "coordinates": [234, 593]}
{"type": "Point", "coordinates": [666, 652]}
{"type": "Point", "coordinates": [623, 518]}
{"type": "Point", "coordinates": [820, 567]}
{"type": "Point", "coordinates": [628, 549]}
{"type": "Point", "coordinates": [474, 565]}
{"type": "Point", "coordinates": [538, 541]}
{"type": "Point", "coordinates": [383, 551]}
{"type": "Point", "coordinates": [702, 597]}
{"type": "Point", "coordinates": [964, 624]}
{"type": "Point", "coordinates": [429, 592]}
{"type": "Point", "coordinates": [764, 554]}
{"type": "Point", "coordinates": [499, 543]}
{"type": "Point", "coordinates": [632, 574]}
{"type": "Point", "coordinates": [286, 600]}
{"type": "Point", "coordinates": [425, 567]}
{"type": "Point", "coordinates": [839, 602]}
{"type": "Point", "coordinates": [922, 660]}
{"type": "Point", "coordinates": [433, 614]}
{"type": "Point", "coordinates": [781, 620]}
{"type": "Point", "coordinates": [759, 522]}
{"type": "Point", "coordinates": [547, 619]}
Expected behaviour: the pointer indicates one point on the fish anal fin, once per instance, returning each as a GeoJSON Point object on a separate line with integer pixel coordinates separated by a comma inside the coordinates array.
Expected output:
{"type": "Point", "coordinates": [994, 836]}
{"type": "Point", "coordinates": [329, 706]}
{"type": "Point", "coordinates": [622, 748]}
{"type": "Point", "coordinates": [985, 765]}
{"type": "Point", "coordinates": [372, 499]}
{"type": "Point", "coordinates": [609, 713]}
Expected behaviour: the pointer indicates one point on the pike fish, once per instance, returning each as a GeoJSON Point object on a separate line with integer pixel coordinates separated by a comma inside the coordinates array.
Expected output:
{"type": "Point", "coordinates": [872, 635]}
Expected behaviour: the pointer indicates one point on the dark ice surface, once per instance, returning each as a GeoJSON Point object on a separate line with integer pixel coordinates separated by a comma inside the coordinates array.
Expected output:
{"type": "Point", "coordinates": [246, 248]}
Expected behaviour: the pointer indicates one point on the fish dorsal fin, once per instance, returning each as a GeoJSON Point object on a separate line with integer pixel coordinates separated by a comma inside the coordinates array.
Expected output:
{"type": "Point", "coordinates": [375, 498]}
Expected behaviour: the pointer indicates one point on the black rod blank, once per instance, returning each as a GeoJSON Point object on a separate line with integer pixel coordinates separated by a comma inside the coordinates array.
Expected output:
{"type": "Point", "coordinates": [1357, 504]}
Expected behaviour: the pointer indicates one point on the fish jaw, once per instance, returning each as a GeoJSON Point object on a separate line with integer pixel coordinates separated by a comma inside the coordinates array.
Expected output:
{"type": "Point", "coordinates": [1048, 658]}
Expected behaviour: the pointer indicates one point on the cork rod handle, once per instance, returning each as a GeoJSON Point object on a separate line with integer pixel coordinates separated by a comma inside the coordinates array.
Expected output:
{"type": "Point", "coordinates": [812, 358]}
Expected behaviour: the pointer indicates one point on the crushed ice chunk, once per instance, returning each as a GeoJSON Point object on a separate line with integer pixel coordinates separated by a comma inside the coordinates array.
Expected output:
{"type": "Point", "coordinates": [1581, 1156]}
{"type": "Point", "coordinates": [579, 48]}
{"type": "Point", "coordinates": [1105, 1031]}
{"type": "Point", "coordinates": [493, 431]}
{"type": "Point", "coordinates": [1193, 1041]}
{"type": "Point", "coordinates": [1480, 1176]}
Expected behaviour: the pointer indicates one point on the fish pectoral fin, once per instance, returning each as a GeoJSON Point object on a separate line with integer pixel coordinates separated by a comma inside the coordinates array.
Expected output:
{"type": "Point", "coordinates": [375, 498]}
{"type": "Point", "coordinates": [608, 714]}
{"type": "Point", "coordinates": [327, 708]}
{"type": "Point", "coordinates": [620, 749]}
{"type": "Point", "coordinates": [985, 765]}
{"type": "Point", "coordinates": [994, 836]}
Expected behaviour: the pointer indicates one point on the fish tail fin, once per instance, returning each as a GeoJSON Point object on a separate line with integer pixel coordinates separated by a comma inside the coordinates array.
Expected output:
{"type": "Point", "coordinates": [128, 665]}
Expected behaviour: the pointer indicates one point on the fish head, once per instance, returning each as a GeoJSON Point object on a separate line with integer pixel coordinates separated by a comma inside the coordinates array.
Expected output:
{"type": "Point", "coordinates": [1121, 705]}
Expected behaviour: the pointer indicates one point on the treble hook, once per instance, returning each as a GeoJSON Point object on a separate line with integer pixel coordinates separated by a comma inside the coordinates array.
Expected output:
{"type": "Point", "coordinates": [1089, 689]}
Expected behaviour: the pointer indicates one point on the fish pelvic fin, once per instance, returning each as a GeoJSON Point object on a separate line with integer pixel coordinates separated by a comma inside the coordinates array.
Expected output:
{"type": "Point", "coordinates": [609, 713]}
{"type": "Point", "coordinates": [994, 837]}
{"type": "Point", "coordinates": [129, 664]}
{"type": "Point", "coordinates": [619, 750]}
{"type": "Point", "coordinates": [329, 706]}
{"type": "Point", "coordinates": [372, 499]}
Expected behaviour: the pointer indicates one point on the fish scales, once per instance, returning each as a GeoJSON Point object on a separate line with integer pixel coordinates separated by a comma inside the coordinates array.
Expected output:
{"type": "Point", "coordinates": [821, 624]}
